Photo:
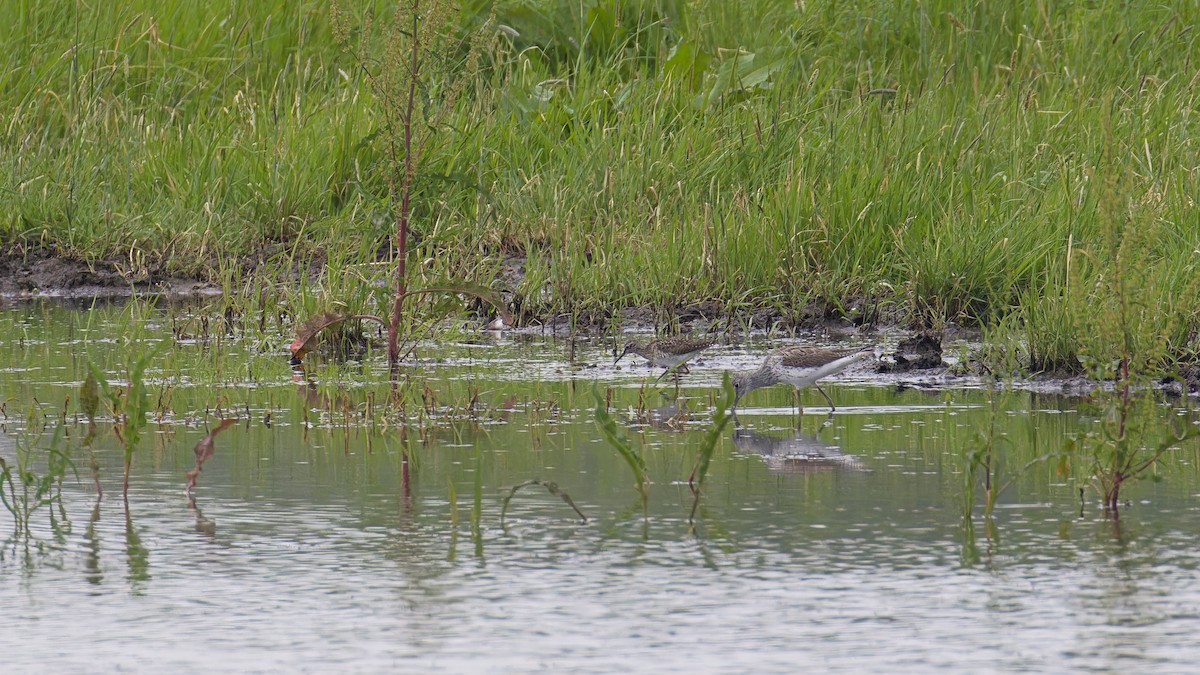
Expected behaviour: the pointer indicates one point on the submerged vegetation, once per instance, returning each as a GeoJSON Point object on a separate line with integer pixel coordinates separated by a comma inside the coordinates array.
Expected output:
{"type": "Point", "coordinates": [916, 163]}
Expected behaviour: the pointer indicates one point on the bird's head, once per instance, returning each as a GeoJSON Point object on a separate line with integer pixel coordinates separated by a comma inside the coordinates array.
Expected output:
{"type": "Point", "coordinates": [741, 385]}
{"type": "Point", "coordinates": [631, 346]}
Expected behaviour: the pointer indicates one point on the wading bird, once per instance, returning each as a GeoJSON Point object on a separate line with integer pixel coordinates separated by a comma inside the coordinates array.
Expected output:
{"type": "Point", "coordinates": [666, 352]}
{"type": "Point", "coordinates": [798, 366]}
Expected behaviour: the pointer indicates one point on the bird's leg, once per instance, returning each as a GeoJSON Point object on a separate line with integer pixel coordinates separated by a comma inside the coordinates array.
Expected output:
{"type": "Point", "coordinates": [831, 408]}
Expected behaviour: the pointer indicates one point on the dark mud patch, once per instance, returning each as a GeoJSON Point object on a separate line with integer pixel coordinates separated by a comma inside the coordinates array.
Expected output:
{"type": "Point", "coordinates": [44, 273]}
{"type": "Point", "coordinates": [922, 351]}
{"type": "Point", "coordinates": [1187, 381]}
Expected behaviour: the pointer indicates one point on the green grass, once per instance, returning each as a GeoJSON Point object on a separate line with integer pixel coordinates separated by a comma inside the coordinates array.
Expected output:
{"type": "Point", "coordinates": [639, 161]}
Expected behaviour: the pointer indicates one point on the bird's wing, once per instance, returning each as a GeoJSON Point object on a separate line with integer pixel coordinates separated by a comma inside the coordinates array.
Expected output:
{"type": "Point", "coordinates": [685, 346]}
{"type": "Point", "coordinates": [810, 357]}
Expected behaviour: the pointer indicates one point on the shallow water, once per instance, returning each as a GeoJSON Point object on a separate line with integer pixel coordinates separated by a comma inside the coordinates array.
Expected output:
{"type": "Point", "coordinates": [313, 545]}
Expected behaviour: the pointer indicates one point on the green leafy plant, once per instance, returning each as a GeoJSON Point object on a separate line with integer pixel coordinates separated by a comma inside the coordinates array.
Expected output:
{"type": "Point", "coordinates": [632, 457]}
{"type": "Point", "coordinates": [721, 417]}
{"type": "Point", "coordinates": [1125, 312]}
{"type": "Point", "coordinates": [26, 487]}
{"type": "Point", "coordinates": [130, 407]}
{"type": "Point", "coordinates": [1130, 441]}
{"type": "Point", "coordinates": [739, 75]}
{"type": "Point", "coordinates": [416, 82]}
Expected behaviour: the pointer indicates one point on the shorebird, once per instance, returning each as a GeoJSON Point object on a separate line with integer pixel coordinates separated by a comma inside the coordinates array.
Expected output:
{"type": "Point", "coordinates": [666, 352]}
{"type": "Point", "coordinates": [799, 367]}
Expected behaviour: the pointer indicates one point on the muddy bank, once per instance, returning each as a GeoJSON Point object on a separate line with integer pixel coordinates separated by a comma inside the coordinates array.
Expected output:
{"type": "Point", "coordinates": [43, 273]}
{"type": "Point", "coordinates": [911, 358]}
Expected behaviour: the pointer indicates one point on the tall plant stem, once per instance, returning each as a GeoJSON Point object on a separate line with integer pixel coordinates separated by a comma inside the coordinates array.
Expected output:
{"type": "Point", "coordinates": [405, 194]}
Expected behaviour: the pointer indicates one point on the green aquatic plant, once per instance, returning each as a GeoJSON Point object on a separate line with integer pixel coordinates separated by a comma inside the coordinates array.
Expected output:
{"type": "Point", "coordinates": [721, 417]}
{"type": "Point", "coordinates": [416, 79]}
{"type": "Point", "coordinates": [716, 431]}
{"type": "Point", "coordinates": [130, 408]}
{"type": "Point", "coordinates": [1130, 441]}
{"type": "Point", "coordinates": [981, 456]}
{"type": "Point", "coordinates": [632, 457]}
{"type": "Point", "coordinates": [984, 461]}
{"type": "Point", "coordinates": [1129, 311]}
{"type": "Point", "coordinates": [89, 400]}
{"type": "Point", "coordinates": [477, 504]}
{"type": "Point", "coordinates": [452, 502]}
{"type": "Point", "coordinates": [36, 479]}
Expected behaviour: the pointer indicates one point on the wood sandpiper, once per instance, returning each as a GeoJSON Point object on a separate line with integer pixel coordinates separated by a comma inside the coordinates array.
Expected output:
{"type": "Point", "coordinates": [666, 352]}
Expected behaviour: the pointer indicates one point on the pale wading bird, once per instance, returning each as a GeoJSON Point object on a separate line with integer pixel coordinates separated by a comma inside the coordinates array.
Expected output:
{"type": "Point", "coordinates": [666, 352]}
{"type": "Point", "coordinates": [798, 366]}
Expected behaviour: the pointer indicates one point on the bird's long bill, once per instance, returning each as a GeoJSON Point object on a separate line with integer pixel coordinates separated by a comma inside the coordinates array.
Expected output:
{"type": "Point", "coordinates": [623, 353]}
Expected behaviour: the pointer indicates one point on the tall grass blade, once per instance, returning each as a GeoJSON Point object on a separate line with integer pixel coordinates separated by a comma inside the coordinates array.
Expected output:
{"type": "Point", "coordinates": [637, 464]}
{"type": "Point", "coordinates": [713, 436]}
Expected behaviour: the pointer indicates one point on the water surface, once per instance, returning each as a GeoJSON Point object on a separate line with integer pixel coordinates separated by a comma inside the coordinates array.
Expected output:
{"type": "Point", "coordinates": [327, 534]}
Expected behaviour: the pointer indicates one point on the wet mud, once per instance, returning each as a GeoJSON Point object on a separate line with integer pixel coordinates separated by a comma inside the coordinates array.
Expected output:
{"type": "Point", "coordinates": [908, 359]}
{"type": "Point", "coordinates": [43, 273]}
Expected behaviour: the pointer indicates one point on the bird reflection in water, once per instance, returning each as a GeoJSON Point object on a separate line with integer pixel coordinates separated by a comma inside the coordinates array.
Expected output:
{"type": "Point", "coordinates": [797, 452]}
{"type": "Point", "coordinates": [672, 415]}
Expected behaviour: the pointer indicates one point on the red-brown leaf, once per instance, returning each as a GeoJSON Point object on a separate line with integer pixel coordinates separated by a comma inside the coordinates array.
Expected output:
{"type": "Point", "coordinates": [307, 332]}
{"type": "Point", "coordinates": [205, 449]}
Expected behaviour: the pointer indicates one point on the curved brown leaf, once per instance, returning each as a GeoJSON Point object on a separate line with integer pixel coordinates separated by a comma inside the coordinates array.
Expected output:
{"type": "Point", "coordinates": [307, 332]}
{"type": "Point", "coordinates": [204, 450]}
{"type": "Point", "coordinates": [89, 396]}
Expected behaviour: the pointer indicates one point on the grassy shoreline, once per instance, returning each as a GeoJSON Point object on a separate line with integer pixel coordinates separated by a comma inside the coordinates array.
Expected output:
{"type": "Point", "coordinates": [1001, 165]}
